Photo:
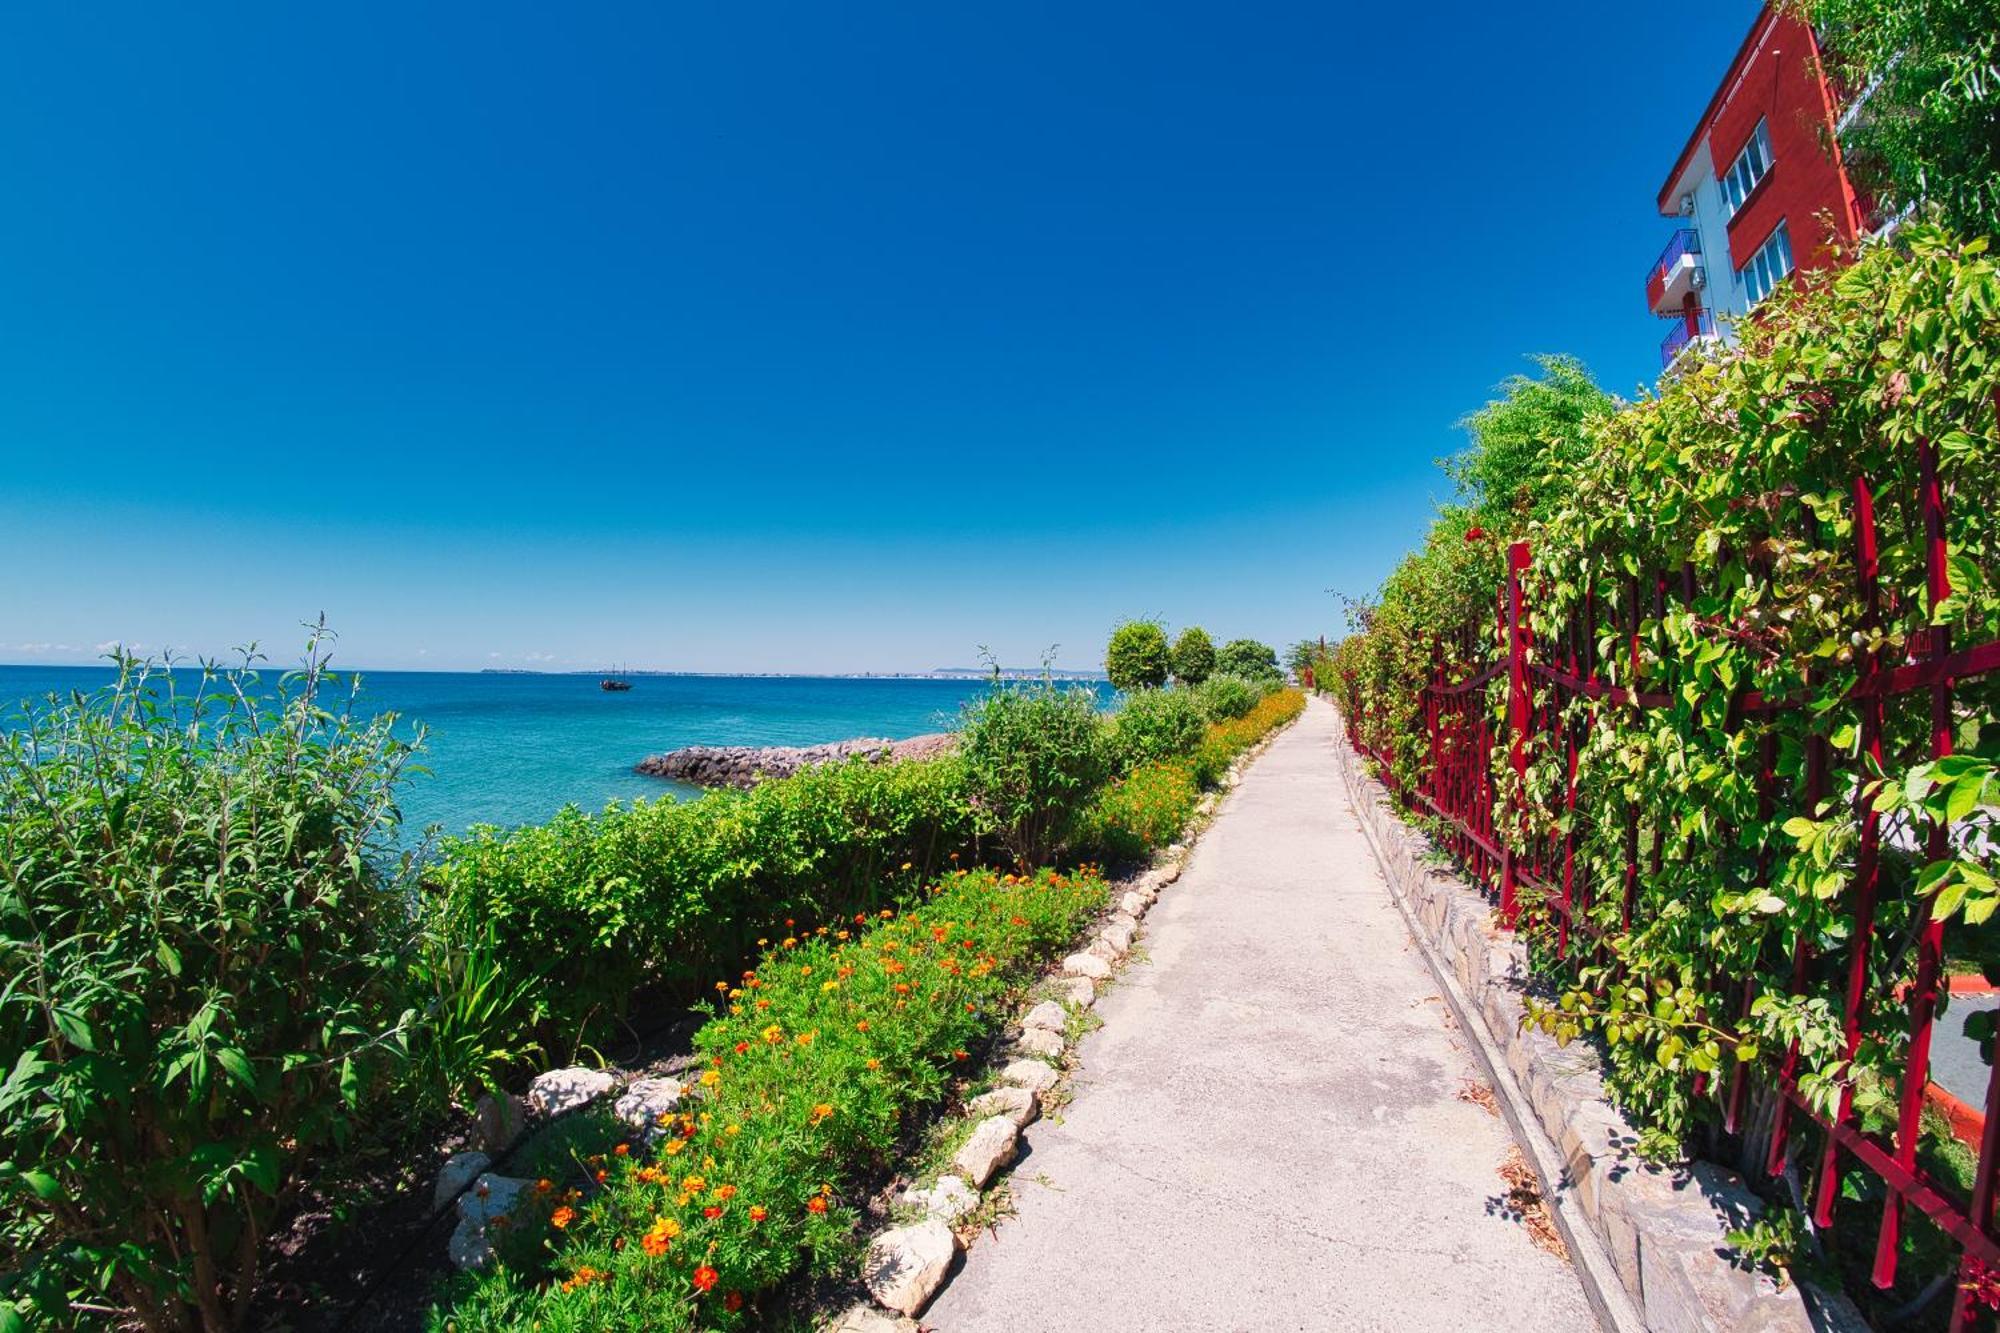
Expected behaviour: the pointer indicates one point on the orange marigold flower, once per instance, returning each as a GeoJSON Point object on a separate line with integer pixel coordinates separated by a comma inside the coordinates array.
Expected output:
{"type": "Point", "coordinates": [758, 1212]}
{"type": "Point", "coordinates": [805, 1038]}
{"type": "Point", "coordinates": [544, 1185]}
{"type": "Point", "coordinates": [742, 1048]}
{"type": "Point", "coordinates": [902, 988]}
{"type": "Point", "coordinates": [816, 1204]}
{"type": "Point", "coordinates": [725, 1192]}
{"type": "Point", "coordinates": [862, 1026]}
{"type": "Point", "coordinates": [774, 1034]}
{"type": "Point", "coordinates": [821, 1112]}
{"type": "Point", "coordinates": [874, 1064]}
{"type": "Point", "coordinates": [705, 1278]}
{"type": "Point", "coordinates": [673, 1146]}
{"type": "Point", "coordinates": [622, 1150]}
{"type": "Point", "coordinates": [712, 1212]}
{"type": "Point", "coordinates": [733, 1302]}
{"type": "Point", "coordinates": [562, 1217]}
{"type": "Point", "coordinates": [694, 1184]}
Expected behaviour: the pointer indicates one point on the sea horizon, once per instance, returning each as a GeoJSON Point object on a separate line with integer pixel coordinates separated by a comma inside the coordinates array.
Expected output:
{"type": "Point", "coordinates": [514, 747]}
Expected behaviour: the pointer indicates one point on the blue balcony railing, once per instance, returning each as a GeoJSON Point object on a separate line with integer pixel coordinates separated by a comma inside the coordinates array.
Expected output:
{"type": "Point", "coordinates": [1685, 331]}
{"type": "Point", "coordinates": [1686, 241]}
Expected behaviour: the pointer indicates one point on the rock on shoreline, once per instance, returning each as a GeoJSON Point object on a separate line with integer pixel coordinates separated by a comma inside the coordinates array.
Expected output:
{"type": "Point", "coordinates": [747, 765]}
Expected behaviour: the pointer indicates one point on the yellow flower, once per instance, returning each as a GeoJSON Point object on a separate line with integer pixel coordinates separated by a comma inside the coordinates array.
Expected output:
{"type": "Point", "coordinates": [733, 1130]}
{"type": "Point", "coordinates": [774, 1034]}
{"type": "Point", "coordinates": [710, 1077]}
{"type": "Point", "coordinates": [694, 1184]}
{"type": "Point", "coordinates": [674, 1146]}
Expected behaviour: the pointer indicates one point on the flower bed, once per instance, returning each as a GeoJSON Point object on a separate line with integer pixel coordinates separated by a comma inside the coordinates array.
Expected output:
{"type": "Point", "coordinates": [816, 1062]}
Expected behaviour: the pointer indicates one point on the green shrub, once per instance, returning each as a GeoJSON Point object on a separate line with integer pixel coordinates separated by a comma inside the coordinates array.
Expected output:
{"type": "Point", "coordinates": [1142, 812]}
{"type": "Point", "coordinates": [202, 931]}
{"type": "Point", "coordinates": [1192, 658]}
{"type": "Point", "coordinates": [1137, 657]}
{"type": "Point", "coordinates": [660, 895]}
{"type": "Point", "coordinates": [1034, 757]}
{"type": "Point", "coordinates": [1249, 659]}
{"type": "Point", "coordinates": [815, 1070]}
{"type": "Point", "coordinates": [1225, 697]}
{"type": "Point", "coordinates": [1156, 724]}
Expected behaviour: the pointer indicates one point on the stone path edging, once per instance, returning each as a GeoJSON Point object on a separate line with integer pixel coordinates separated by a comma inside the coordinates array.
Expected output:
{"type": "Point", "coordinates": [905, 1267]}
{"type": "Point", "coordinates": [1648, 1241]}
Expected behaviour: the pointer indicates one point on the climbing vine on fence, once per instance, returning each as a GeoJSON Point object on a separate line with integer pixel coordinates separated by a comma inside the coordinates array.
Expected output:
{"type": "Point", "coordinates": [1716, 595]}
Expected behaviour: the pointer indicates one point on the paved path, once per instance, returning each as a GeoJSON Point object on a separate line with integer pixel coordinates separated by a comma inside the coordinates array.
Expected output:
{"type": "Point", "coordinates": [1265, 1132]}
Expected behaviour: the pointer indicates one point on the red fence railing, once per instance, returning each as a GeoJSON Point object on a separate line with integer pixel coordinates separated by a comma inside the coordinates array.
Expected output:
{"type": "Point", "coordinates": [1462, 726]}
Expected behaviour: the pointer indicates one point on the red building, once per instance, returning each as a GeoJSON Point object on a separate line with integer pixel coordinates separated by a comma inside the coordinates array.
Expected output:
{"type": "Point", "coordinates": [1760, 189]}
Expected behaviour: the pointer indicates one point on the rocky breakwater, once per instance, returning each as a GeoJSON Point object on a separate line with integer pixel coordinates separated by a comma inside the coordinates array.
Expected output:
{"type": "Point", "coordinates": [748, 765]}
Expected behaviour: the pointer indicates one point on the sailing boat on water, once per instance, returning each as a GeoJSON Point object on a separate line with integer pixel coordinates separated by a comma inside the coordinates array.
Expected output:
{"type": "Point", "coordinates": [615, 681]}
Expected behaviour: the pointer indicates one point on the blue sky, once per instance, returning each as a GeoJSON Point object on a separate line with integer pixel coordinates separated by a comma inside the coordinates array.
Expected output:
{"type": "Point", "coordinates": [786, 336]}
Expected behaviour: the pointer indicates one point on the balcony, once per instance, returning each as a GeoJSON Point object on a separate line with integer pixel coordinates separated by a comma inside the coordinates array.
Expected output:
{"type": "Point", "coordinates": [1675, 273]}
{"type": "Point", "coordinates": [1700, 326]}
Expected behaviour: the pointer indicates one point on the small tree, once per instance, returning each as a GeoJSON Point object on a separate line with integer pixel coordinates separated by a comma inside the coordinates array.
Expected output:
{"type": "Point", "coordinates": [1249, 659]}
{"type": "Point", "coordinates": [1137, 658]}
{"type": "Point", "coordinates": [1193, 656]}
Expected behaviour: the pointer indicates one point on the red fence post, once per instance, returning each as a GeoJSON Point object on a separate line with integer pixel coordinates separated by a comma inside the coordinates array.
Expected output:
{"type": "Point", "coordinates": [1517, 728]}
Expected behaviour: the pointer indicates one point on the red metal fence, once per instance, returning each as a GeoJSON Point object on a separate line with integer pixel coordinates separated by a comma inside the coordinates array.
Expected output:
{"type": "Point", "coordinates": [1456, 782]}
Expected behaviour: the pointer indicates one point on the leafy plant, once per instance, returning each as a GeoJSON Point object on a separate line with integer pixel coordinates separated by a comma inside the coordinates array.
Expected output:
{"type": "Point", "coordinates": [203, 922]}
{"type": "Point", "coordinates": [1034, 756]}
{"type": "Point", "coordinates": [1192, 658]}
{"type": "Point", "coordinates": [1156, 724]}
{"type": "Point", "coordinates": [1928, 130]}
{"type": "Point", "coordinates": [1223, 698]}
{"type": "Point", "coordinates": [656, 896]}
{"type": "Point", "coordinates": [1138, 657]}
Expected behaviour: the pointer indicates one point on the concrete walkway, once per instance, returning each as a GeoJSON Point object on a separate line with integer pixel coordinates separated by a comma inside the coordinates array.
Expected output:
{"type": "Point", "coordinates": [1266, 1132]}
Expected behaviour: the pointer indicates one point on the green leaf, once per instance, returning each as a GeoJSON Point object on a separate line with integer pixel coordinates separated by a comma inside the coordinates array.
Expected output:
{"type": "Point", "coordinates": [238, 1065]}
{"type": "Point", "coordinates": [45, 1186]}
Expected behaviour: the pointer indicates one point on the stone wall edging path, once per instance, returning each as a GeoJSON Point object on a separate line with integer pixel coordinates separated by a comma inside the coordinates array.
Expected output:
{"type": "Point", "coordinates": [1661, 1229]}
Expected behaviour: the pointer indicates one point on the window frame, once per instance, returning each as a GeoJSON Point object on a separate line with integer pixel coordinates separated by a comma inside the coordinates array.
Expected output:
{"type": "Point", "coordinates": [1761, 266]}
{"type": "Point", "coordinates": [1734, 194]}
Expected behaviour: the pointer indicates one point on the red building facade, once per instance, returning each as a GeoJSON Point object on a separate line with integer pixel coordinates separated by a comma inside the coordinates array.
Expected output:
{"type": "Point", "coordinates": [1760, 188]}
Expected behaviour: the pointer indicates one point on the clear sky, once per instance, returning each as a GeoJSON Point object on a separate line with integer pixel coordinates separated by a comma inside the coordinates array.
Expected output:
{"type": "Point", "coordinates": [786, 336]}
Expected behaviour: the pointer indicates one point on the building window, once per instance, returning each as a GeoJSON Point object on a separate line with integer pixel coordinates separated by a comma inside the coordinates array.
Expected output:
{"type": "Point", "coordinates": [1768, 267]}
{"type": "Point", "coordinates": [1751, 165]}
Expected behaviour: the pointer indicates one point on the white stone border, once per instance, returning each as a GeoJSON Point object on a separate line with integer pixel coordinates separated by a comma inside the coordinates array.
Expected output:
{"type": "Point", "coordinates": [1648, 1241]}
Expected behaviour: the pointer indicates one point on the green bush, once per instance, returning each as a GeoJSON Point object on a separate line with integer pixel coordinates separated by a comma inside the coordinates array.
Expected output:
{"type": "Point", "coordinates": [1156, 724]}
{"type": "Point", "coordinates": [1034, 757]}
{"type": "Point", "coordinates": [1249, 659]}
{"type": "Point", "coordinates": [1137, 657]}
{"type": "Point", "coordinates": [660, 895]}
{"type": "Point", "coordinates": [1192, 657]}
{"type": "Point", "coordinates": [815, 1070]}
{"type": "Point", "coordinates": [202, 931]}
{"type": "Point", "coordinates": [1143, 812]}
{"type": "Point", "coordinates": [1223, 698]}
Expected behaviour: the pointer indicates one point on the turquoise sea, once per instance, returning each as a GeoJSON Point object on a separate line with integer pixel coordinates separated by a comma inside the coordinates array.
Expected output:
{"type": "Point", "coordinates": [511, 749]}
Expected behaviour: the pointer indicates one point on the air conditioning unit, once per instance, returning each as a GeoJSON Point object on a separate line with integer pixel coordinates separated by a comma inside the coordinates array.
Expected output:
{"type": "Point", "coordinates": [1699, 278]}
{"type": "Point", "coordinates": [1687, 205]}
